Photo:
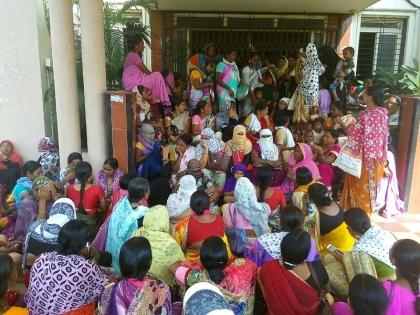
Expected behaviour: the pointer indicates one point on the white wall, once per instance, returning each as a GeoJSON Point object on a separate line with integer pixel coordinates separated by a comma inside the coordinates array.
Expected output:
{"type": "Point", "coordinates": [21, 103]}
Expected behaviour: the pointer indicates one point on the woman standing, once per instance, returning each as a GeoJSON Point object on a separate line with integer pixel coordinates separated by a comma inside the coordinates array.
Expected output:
{"type": "Point", "coordinates": [90, 199]}
{"type": "Point", "coordinates": [368, 138]}
{"type": "Point", "coordinates": [49, 157]}
{"type": "Point", "coordinates": [136, 73]}
{"type": "Point", "coordinates": [109, 178]}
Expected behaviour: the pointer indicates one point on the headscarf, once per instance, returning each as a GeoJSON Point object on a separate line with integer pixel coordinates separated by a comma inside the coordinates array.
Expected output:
{"type": "Point", "coordinates": [254, 124]}
{"type": "Point", "coordinates": [285, 100]}
{"type": "Point", "coordinates": [46, 231]}
{"type": "Point", "coordinates": [247, 204]}
{"type": "Point", "coordinates": [40, 182]}
{"type": "Point", "coordinates": [180, 201]}
{"type": "Point", "coordinates": [231, 181]}
{"type": "Point", "coordinates": [205, 298]}
{"type": "Point", "coordinates": [240, 142]}
{"type": "Point", "coordinates": [269, 151]}
{"type": "Point", "coordinates": [306, 162]}
{"type": "Point", "coordinates": [147, 137]}
{"type": "Point", "coordinates": [214, 144]}
{"type": "Point", "coordinates": [281, 71]}
{"type": "Point", "coordinates": [142, 103]}
{"type": "Point", "coordinates": [165, 250]}
{"type": "Point", "coordinates": [49, 157]}
{"type": "Point", "coordinates": [13, 156]}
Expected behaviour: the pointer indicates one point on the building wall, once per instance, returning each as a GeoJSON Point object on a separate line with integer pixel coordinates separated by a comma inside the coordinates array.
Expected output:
{"type": "Point", "coordinates": [21, 97]}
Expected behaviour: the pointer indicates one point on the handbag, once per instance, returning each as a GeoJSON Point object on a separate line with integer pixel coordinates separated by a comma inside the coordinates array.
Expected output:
{"type": "Point", "coordinates": [236, 237]}
{"type": "Point", "coordinates": [325, 299]}
{"type": "Point", "coordinates": [348, 161]}
{"type": "Point", "coordinates": [218, 161]}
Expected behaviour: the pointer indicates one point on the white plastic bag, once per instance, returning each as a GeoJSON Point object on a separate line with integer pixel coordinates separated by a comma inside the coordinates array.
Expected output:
{"type": "Point", "coordinates": [348, 161]}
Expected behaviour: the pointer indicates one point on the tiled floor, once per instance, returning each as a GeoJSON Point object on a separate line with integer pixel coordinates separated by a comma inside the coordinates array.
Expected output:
{"type": "Point", "coordinates": [403, 226]}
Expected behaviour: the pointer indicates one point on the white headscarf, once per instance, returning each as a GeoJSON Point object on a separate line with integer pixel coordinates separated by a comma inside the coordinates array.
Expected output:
{"type": "Point", "coordinates": [215, 146]}
{"type": "Point", "coordinates": [254, 125]}
{"type": "Point", "coordinates": [180, 201]}
{"type": "Point", "coordinates": [269, 151]}
{"type": "Point", "coordinates": [247, 204]}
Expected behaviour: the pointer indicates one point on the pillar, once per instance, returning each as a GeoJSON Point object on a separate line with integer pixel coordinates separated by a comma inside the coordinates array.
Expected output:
{"type": "Point", "coordinates": [94, 78]}
{"type": "Point", "coordinates": [65, 81]}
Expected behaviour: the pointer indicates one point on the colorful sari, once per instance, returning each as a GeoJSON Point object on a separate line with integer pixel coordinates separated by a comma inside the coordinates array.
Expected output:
{"type": "Point", "coordinates": [285, 293]}
{"type": "Point", "coordinates": [110, 187]}
{"type": "Point", "coordinates": [368, 136]}
{"type": "Point", "coordinates": [23, 188]}
{"type": "Point", "coordinates": [230, 76]}
{"type": "Point", "coordinates": [131, 296]}
{"type": "Point", "coordinates": [401, 300]}
{"type": "Point", "coordinates": [328, 172]}
{"type": "Point", "coordinates": [196, 70]}
{"type": "Point", "coordinates": [49, 157]}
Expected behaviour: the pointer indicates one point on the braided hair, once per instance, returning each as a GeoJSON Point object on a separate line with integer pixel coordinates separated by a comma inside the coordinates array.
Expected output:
{"type": "Point", "coordinates": [83, 174]}
{"type": "Point", "coordinates": [406, 254]}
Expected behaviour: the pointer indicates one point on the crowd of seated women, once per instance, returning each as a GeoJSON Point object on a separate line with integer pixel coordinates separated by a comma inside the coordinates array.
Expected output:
{"type": "Point", "coordinates": [236, 206]}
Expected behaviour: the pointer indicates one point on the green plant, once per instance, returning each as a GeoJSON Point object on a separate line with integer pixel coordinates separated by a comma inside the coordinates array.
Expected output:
{"type": "Point", "coordinates": [411, 79]}
{"type": "Point", "coordinates": [406, 81]}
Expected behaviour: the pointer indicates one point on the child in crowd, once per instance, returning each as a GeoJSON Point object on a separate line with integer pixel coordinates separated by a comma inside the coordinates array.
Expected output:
{"type": "Point", "coordinates": [318, 130]}
{"type": "Point", "coordinates": [346, 65]}
{"type": "Point", "coordinates": [258, 94]}
{"type": "Point", "coordinates": [324, 98]}
{"type": "Point", "coordinates": [309, 137]}
{"type": "Point", "coordinates": [283, 137]}
{"type": "Point", "coordinates": [338, 88]}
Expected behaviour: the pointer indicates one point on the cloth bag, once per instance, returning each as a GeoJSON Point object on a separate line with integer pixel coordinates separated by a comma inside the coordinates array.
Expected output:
{"type": "Point", "coordinates": [348, 161]}
{"type": "Point", "coordinates": [218, 161]}
{"type": "Point", "coordinates": [236, 237]}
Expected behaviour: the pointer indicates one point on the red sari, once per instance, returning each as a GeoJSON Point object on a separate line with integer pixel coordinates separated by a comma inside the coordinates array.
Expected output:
{"type": "Point", "coordinates": [285, 293]}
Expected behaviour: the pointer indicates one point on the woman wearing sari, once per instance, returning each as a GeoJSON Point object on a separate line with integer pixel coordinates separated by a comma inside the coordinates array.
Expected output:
{"type": "Point", "coordinates": [109, 178]}
{"type": "Point", "coordinates": [237, 171]}
{"type": "Point", "coordinates": [178, 119]}
{"type": "Point", "coordinates": [236, 278]}
{"type": "Point", "coordinates": [257, 121]}
{"type": "Point", "coordinates": [165, 250]}
{"type": "Point", "coordinates": [200, 225]}
{"type": "Point", "coordinates": [201, 69]}
{"type": "Point", "coordinates": [239, 147]}
{"type": "Point", "coordinates": [202, 119]}
{"type": "Point", "coordinates": [137, 292]}
{"type": "Point", "coordinates": [247, 214]}
{"type": "Point", "coordinates": [326, 155]}
{"type": "Point", "coordinates": [266, 153]}
{"type": "Point", "coordinates": [10, 165]}
{"type": "Point", "coordinates": [23, 188]}
{"type": "Point", "coordinates": [136, 73]}
{"type": "Point", "coordinates": [178, 203]}
{"type": "Point", "coordinates": [148, 155]}
{"type": "Point", "coordinates": [49, 157]}
{"type": "Point", "coordinates": [72, 278]}
{"type": "Point", "coordinates": [300, 198]}
{"type": "Point", "coordinates": [403, 293]}
{"type": "Point", "coordinates": [292, 286]}
{"type": "Point", "coordinates": [368, 138]}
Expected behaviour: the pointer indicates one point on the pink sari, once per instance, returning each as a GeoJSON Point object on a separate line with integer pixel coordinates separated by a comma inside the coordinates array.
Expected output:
{"type": "Point", "coordinates": [401, 300]}
{"type": "Point", "coordinates": [133, 76]}
{"type": "Point", "coordinates": [327, 171]}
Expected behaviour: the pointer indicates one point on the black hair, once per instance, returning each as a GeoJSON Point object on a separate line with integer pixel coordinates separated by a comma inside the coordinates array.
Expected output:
{"type": "Point", "coordinates": [339, 104]}
{"type": "Point", "coordinates": [200, 105]}
{"type": "Point", "coordinates": [291, 218]}
{"type": "Point", "coordinates": [295, 248]}
{"type": "Point", "coordinates": [367, 295]}
{"type": "Point", "coordinates": [6, 270]}
{"type": "Point", "coordinates": [72, 237]}
{"type": "Point", "coordinates": [332, 132]}
{"type": "Point", "coordinates": [187, 138]}
{"type": "Point", "coordinates": [303, 176]}
{"type": "Point", "coordinates": [141, 88]}
{"type": "Point", "coordinates": [30, 167]}
{"type": "Point", "coordinates": [105, 259]}
{"type": "Point", "coordinates": [137, 40]}
{"type": "Point", "coordinates": [258, 89]}
{"type": "Point", "coordinates": [377, 94]}
{"type": "Point", "coordinates": [199, 202]}
{"type": "Point", "coordinates": [135, 258]}
{"type": "Point", "coordinates": [264, 180]}
{"type": "Point", "coordinates": [137, 189]}
{"type": "Point", "coordinates": [228, 51]}
{"type": "Point", "coordinates": [252, 55]}
{"type": "Point", "coordinates": [318, 120]}
{"type": "Point", "coordinates": [397, 98]}
{"type": "Point", "coordinates": [112, 162]}
{"type": "Point", "coordinates": [261, 106]}
{"type": "Point", "coordinates": [74, 156]}
{"type": "Point", "coordinates": [281, 120]}
{"type": "Point", "coordinates": [406, 254]}
{"type": "Point", "coordinates": [319, 195]}
{"type": "Point", "coordinates": [324, 82]}
{"type": "Point", "coordinates": [349, 49]}
{"type": "Point", "coordinates": [125, 180]}
{"type": "Point", "coordinates": [214, 257]}
{"type": "Point", "coordinates": [83, 173]}
{"type": "Point", "coordinates": [357, 220]}
{"type": "Point", "coordinates": [176, 101]}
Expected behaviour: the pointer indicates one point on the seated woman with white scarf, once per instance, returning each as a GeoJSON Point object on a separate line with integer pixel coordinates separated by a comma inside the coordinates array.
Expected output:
{"type": "Point", "coordinates": [265, 152]}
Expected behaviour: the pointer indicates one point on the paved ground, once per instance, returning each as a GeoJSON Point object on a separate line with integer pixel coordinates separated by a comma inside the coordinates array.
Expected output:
{"type": "Point", "coordinates": [403, 226]}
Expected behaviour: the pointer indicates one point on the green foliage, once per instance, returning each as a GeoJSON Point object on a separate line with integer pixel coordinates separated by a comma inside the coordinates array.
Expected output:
{"type": "Point", "coordinates": [406, 81]}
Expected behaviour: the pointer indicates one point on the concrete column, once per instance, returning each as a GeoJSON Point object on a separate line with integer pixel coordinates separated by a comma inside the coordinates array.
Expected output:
{"type": "Point", "coordinates": [65, 81]}
{"type": "Point", "coordinates": [94, 78]}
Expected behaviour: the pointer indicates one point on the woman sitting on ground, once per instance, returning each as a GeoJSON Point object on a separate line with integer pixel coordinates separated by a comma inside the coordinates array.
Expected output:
{"type": "Point", "coordinates": [49, 157]}
{"type": "Point", "coordinates": [202, 119]}
{"type": "Point", "coordinates": [257, 121]}
{"type": "Point", "coordinates": [10, 165]}
{"type": "Point", "coordinates": [73, 277]}
{"type": "Point", "coordinates": [165, 250]}
{"type": "Point", "coordinates": [36, 206]}
{"type": "Point", "coordinates": [108, 179]}
{"type": "Point", "coordinates": [184, 152]}
{"type": "Point", "coordinates": [268, 245]}
{"type": "Point", "coordinates": [67, 174]}
{"type": "Point", "coordinates": [273, 196]}
{"type": "Point", "coordinates": [300, 198]}
{"type": "Point", "coordinates": [179, 117]}
{"type": "Point", "coordinates": [193, 230]}
{"type": "Point", "coordinates": [237, 171]}
{"type": "Point", "coordinates": [293, 285]}
{"type": "Point", "coordinates": [90, 199]}
{"type": "Point", "coordinates": [137, 292]}
{"type": "Point", "coordinates": [236, 278]}
{"type": "Point", "coordinates": [178, 203]}
{"type": "Point", "coordinates": [247, 215]}
{"type": "Point", "coordinates": [31, 170]}
{"type": "Point", "coordinates": [148, 155]}
{"type": "Point", "coordinates": [239, 147]}
{"type": "Point", "coordinates": [403, 293]}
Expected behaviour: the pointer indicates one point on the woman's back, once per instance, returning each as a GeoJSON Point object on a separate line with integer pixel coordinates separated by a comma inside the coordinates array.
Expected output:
{"type": "Point", "coordinates": [92, 197]}
{"type": "Point", "coordinates": [199, 230]}
{"type": "Point", "coordinates": [401, 300]}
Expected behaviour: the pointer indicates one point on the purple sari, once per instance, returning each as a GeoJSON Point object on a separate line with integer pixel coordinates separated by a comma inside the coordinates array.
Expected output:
{"type": "Point", "coordinates": [231, 181]}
